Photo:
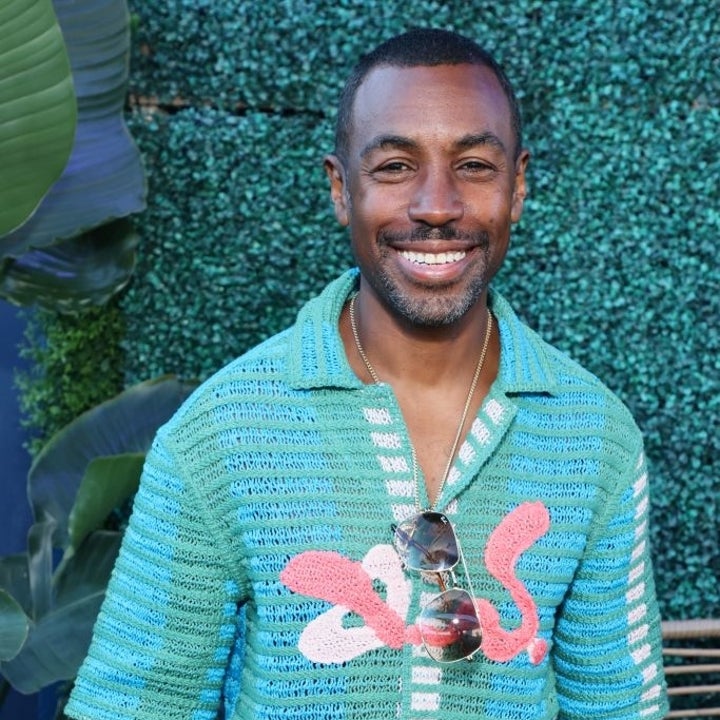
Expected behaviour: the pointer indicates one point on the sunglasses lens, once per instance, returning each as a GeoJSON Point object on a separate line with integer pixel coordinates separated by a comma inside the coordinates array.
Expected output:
{"type": "Point", "coordinates": [427, 543]}
{"type": "Point", "coordinates": [450, 627]}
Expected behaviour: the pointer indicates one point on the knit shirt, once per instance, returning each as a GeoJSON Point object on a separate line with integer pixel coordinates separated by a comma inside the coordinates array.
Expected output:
{"type": "Point", "coordinates": [258, 570]}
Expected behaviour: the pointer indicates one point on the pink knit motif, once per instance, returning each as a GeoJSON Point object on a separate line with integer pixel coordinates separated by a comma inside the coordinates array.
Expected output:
{"type": "Point", "coordinates": [348, 586]}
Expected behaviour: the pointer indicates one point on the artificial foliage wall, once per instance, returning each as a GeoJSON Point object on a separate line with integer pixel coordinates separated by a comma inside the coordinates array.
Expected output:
{"type": "Point", "coordinates": [614, 261]}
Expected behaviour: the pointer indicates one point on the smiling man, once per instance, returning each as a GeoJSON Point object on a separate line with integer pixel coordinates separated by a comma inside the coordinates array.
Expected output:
{"type": "Point", "coordinates": [406, 505]}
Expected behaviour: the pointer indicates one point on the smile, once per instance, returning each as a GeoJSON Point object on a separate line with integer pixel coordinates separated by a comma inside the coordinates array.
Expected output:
{"type": "Point", "coordinates": [442, 258]}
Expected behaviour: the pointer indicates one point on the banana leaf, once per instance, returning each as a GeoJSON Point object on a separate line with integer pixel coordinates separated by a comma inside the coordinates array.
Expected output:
{"type": "Point", "coordinates": [38, 111]}
{"type": "Point", "coordinates": [73, 274]}
{"type": "Point", "coordinates": [14, 626]}
{"type": "Point", "coordinates": [58, 639]}
{"type": "Point", "coordinates": [104, 178]}
{"type": "Point", "coordinates": [107, 483]}
{"type": "Point", "coordinates": [124, 424]}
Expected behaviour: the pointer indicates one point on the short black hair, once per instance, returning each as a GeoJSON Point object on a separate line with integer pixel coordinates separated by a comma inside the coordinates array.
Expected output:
{"type": "Point", "coordinates": [420, 47]}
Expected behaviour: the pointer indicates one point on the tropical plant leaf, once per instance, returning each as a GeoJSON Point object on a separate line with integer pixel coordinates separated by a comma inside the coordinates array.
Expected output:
{"type": "Point", "coordinates": [107, 483]}
{"type": "Point", "coordinates": [14, 626]}
{"type": "Point", "coordinates": [58, 641]}
{"type": "Point", "coordinates": [40, 566]}
{"type": "Point", "coordinates": [15, 579]}
{"type": "Point", "coordinates": [75, 273]}
{"type": "Point", "coordinates": [124, 424]}
{"type": "Point", "coordinates": [104, 178]}
{"type": "Point", "coordinates": [38, 112]}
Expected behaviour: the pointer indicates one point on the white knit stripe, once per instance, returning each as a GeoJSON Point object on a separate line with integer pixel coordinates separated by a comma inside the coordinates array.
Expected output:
{"type": "Point", "coordinates": [651, 694]}
{"type": "Point", "coordinates": [386, 440]}
{"type": "Point", "coordinates": [635, 593]}
{"type": "Point", "coordinates": [425, 675]}
{"type": "Point", "coordinates": [393, 464]}
{"type": "Point", "coordinates": [402, 512]}
{"type": "Point", "coordinates": [642, 507]}
{"type": "Point", "coordinates": [466, 453]}
{"type": "Point", "coordinates": [495, 411]}
{"type": "Point", "coordinates": [377, 416]}
{"type": "Point", "coordinates": [480, 431]}
{"type": "Point", "coordinates": [452, 508]}
{"type": "Point", "coordinates": [649, 673]}
{"type": "Point", "coordinates": [453, 476]}
{"type": "Point", "coordinates": [638, 634]}
{"type": "Point", "coordinates": [641, 529]}
{"type": "Point", "coordinates": [637, 614]}
{"type": "Point", "coordinates": [400, 488]}
{"type": "Point", "coordinates": [641, 654]}
{"type": "Point", "coordinates": [650, 711]}
{"type": "Point", "coordinates": [638, 551]}
{"type": "Point", "coordinates": [641, 460]}
{"type": "Point", "coordinates": [636, 572]}
{"type": "Point", "coordinates": [420, 701]}
{"type": "Point", "coordinates": [640, 485]}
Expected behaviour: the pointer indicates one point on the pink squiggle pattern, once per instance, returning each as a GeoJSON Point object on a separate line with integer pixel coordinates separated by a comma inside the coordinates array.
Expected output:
{"type": "Point", "coordinates": [510, 539]}
{"type": "Point", "coordinates": [334, 578]}
{"type": "Point", "coordinates": [348, 586]}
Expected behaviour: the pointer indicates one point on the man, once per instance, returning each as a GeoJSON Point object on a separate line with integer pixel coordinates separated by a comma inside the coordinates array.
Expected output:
{"type": "Point", "coordinates": [406, 505]}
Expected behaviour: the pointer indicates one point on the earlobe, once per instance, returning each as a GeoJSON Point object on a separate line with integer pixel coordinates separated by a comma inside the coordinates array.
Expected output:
{"type": "Point", "coordinates": [338, 190]}
{"type": "Point", "coordinates": [520, 190]}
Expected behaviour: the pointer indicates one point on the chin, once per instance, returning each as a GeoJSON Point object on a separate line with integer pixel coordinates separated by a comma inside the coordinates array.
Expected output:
{"type": "Point", "coordinates": [434, 311]}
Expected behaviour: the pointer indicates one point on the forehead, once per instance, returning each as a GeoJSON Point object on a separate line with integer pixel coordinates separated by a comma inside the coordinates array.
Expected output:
{"type": "Point", "coordinates": [430, 104]}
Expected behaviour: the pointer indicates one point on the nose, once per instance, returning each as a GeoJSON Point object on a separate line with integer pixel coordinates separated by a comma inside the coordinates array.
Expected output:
{"type": "Point", "coordinates": [436, 200]}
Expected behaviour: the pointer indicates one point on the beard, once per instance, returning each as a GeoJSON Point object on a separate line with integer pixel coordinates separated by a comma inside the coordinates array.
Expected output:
{"type": "Point", "coordinates": [443, 305]}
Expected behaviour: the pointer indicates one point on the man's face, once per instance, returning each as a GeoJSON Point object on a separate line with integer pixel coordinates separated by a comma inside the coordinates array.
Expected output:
{"type": "Point", "coordinates": [430, 188]}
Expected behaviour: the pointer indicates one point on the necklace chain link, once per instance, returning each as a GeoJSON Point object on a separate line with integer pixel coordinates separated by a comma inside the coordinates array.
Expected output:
{"type": "Point", "coordinates": [466, 409]}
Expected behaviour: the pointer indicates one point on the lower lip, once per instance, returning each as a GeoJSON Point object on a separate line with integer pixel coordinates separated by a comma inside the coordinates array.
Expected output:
{"type": "Point", "coordinates": [441, 273]}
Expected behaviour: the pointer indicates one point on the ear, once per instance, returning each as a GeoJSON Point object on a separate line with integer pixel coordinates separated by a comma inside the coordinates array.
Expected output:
{"type": "Point", "coordinates": [338, 188]}
{"type": "Point", "coordinates": [520, 189]}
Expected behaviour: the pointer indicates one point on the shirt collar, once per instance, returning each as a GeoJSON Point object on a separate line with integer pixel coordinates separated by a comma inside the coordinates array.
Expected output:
{"type": "Point", "coordinates": [317, 356]}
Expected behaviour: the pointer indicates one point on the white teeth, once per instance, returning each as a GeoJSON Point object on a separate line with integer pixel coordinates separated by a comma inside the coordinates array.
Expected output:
{"type": "Point", "coordinates": [432, 258]}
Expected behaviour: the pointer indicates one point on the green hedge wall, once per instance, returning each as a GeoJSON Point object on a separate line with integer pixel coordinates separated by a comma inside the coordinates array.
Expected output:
{"type": "Point", "coordinates": [614, 260]}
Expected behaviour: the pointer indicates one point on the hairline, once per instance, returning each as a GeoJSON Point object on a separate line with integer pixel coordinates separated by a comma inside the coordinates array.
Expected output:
{"type": "Point", "coordinates": [346, 106]}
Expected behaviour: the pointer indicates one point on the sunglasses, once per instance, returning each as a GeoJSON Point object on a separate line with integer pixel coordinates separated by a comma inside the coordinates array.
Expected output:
{"type": "Point", "coordinates": [449, 623]}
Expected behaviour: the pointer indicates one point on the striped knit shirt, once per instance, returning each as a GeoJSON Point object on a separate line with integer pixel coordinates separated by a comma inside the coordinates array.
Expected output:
{"type": "Point", "coordinates": [258, 573]}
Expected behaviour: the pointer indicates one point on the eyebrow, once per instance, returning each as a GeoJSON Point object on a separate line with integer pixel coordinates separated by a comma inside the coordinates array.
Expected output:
{"type": "Point", "coordinates": [400, 142]}
{"type": "Point", "coordinates": [385, 142]}
{"type": "Point", "coordinates": [487, 138]}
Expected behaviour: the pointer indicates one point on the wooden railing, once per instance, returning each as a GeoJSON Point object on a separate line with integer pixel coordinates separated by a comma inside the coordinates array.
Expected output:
{"type": "Point", "coordinates": [687, 653]}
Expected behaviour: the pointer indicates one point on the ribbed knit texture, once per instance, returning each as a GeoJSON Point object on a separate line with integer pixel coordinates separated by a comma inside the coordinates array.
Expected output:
{"type": "Point", "coordinates": [258, 570]}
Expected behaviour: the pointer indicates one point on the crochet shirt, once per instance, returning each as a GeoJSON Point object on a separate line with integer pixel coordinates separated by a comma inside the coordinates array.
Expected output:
{"type": "Point", "coordinates": [258, 571]}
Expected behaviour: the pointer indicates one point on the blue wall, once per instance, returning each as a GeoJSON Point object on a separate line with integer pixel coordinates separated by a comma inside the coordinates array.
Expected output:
{"type": "Point", "coordinates": [15, 516]}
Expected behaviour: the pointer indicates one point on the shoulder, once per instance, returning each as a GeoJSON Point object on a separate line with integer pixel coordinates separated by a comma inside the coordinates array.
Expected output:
{"type": "Point", "coordinates": [532, 367]}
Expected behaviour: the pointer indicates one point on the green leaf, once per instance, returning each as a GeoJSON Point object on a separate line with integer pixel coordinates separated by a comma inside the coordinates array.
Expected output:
{"type": "Point", "coordinates": [37, 108]}
{"type": "Point", "coordinates": [107, 483]}
{"type": "Point", "coordinates": [124, 424]}
{"type": "Point", "coordinates": [75, 273]}
{"type": "Point", "coordinates": [15, 579]}
{"type": "Point", "coordinates": [14, 626]}
{"type": "Point", "coordinates": [104, 178]}
{"type": "Point", "coordinates": [58, 641]}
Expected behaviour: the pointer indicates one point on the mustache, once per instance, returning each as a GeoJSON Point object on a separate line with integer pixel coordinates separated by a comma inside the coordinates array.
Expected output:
{"type": "Point", "coordinates": [428, 232]}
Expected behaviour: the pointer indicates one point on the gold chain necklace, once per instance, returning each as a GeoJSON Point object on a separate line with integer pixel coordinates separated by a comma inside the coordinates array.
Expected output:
{"type": "Point", "coordinates": [468, 400]}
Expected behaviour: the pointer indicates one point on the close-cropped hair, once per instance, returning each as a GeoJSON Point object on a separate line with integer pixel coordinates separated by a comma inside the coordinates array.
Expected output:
{"type": "Point", "coordinates": [420, 47]}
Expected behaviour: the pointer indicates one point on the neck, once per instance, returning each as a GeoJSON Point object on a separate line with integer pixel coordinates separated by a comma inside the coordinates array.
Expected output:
{"type": "Point", "coordinates": [405, 354]}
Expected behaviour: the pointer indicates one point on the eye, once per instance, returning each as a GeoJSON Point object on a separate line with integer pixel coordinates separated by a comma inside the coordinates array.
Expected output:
{"type": "Point", "coordinates": [476, 166]}
{"type": "Point", "coordinates": [393, 167]}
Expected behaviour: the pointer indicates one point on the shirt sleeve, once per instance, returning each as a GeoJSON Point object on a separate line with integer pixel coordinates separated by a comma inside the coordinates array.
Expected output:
{"type": "Point", "coordinates": [170, 616]}
{"type": "Point", "coordinates": [608, 654]}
